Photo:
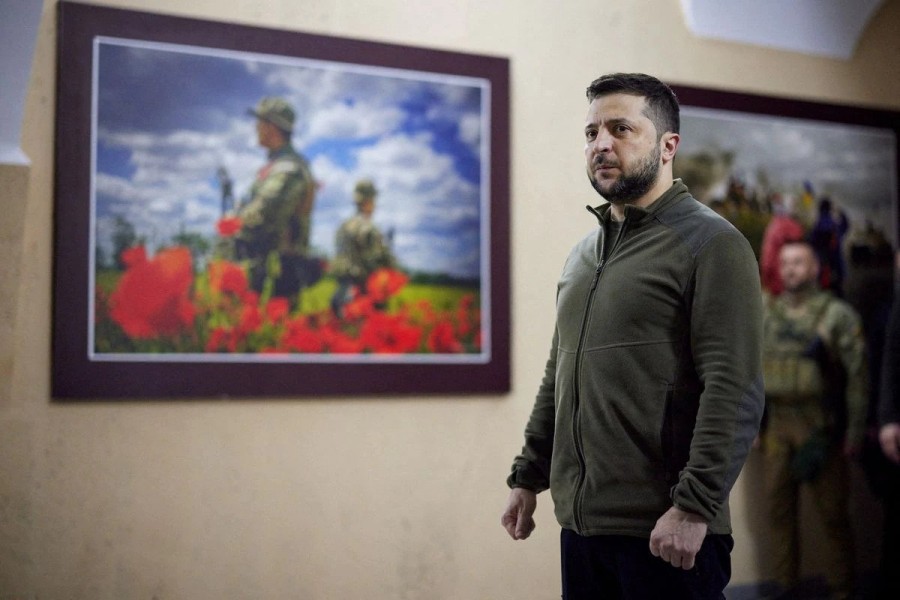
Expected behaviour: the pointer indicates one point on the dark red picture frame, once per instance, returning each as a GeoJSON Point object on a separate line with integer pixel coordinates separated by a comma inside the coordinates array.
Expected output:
{"type": "Point", "coordinates": [76, 376]}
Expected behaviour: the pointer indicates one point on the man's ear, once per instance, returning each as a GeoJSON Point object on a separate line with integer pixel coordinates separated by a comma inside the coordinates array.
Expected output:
{"type": "Point", "coordinates": [668, 146]}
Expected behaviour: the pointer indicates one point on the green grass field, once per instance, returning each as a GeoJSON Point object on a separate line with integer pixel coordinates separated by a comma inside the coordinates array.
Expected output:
{"type": "Point", "coordinates": [441, 297]}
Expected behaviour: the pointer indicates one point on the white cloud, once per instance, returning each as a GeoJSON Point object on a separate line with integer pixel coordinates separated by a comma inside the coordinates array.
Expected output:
{"type": "Point", "coordinates": [360, 120]}
{"type": "Point", "coordinates": [470, 131]}
{"type": "Point", "coordinates": [425, 199]}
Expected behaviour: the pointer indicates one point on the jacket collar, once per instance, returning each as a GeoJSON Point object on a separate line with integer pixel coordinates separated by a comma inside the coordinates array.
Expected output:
{"type": "Point", "coordinates": [635, 214]}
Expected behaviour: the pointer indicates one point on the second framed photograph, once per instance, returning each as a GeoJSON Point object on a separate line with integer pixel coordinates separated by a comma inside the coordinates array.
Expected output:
{"type": "Point", "coordinates": [253, 212]}
{"type": "Point", "coordinates": [778, 168]}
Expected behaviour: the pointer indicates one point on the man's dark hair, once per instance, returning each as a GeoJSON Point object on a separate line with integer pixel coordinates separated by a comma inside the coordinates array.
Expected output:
{"type": "Point", "coordinates": [662, 104]}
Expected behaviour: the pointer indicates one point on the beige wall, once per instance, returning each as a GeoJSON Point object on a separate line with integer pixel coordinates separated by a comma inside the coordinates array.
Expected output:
{"type": "Point", "coordinates": [347, 498]}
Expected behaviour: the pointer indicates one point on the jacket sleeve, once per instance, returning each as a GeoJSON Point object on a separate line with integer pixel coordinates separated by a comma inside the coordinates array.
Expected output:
{"type": "Point", "coordinates": [531, 468]}
{"type": "Point", "coordinates": [849, 346]}
{"type": "Point", "coordinates": [726, 345]}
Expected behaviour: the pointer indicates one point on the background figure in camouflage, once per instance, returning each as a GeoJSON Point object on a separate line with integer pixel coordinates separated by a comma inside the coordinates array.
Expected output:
{"type": "Point", "coordinates": [816, 381]}
{"type": "Point", "coordinates": [275, 217]}
{"type": "Point", "coordinates": [360, 248]}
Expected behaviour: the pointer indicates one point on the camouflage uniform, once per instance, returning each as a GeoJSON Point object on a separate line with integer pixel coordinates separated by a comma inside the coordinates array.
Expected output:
{"type": "Point", "coordinates": [275, 218]}
{"type": "Point", "coordinates": [816, 395]}
{"type": "Point", "coordinates": [360, 250]}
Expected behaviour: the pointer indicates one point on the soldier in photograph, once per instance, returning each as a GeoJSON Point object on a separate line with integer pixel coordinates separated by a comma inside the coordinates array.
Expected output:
{"type": "Point", "coordinates": [360, 248]}
{"type": "Point", "coordinates": [275, 217]}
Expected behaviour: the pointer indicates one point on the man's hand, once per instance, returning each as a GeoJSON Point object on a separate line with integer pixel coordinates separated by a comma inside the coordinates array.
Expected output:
{"type": "Point", "coordinates": [889, 436]}
{"type": "Point", "coordinates": [517, 518]}
{"type": "Point", "coordinates": [677, 537]}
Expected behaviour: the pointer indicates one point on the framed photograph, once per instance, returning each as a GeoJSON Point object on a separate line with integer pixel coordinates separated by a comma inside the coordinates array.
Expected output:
{"type": "Point", "coordinates": [243, 211]}
{"type": "Point", "coordinates": [779, 168]}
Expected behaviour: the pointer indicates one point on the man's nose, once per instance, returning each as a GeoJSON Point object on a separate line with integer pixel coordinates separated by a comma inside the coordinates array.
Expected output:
{"type": "Point", "coordinates": [602, 143]}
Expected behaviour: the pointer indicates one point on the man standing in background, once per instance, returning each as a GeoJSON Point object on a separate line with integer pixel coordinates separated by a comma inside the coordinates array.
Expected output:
{"type": "Point", "coordinates": [652, 394]}
{"type": "Point", "coordinates": [817, 395]}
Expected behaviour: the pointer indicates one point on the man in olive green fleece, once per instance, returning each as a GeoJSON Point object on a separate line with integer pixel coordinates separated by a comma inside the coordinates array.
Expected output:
{"type": "Point", "coordinates": [652, 394]}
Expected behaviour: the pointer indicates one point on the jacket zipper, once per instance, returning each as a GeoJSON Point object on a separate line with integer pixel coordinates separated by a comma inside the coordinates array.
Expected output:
{"type": "Point", "coordinates": [576, 382]}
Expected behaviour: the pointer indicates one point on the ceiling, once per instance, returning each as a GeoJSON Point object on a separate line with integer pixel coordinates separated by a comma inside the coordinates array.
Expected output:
{"type": "Point", "coordinates": [829, 28]}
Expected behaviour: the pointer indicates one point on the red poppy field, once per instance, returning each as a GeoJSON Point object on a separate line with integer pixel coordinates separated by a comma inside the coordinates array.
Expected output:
{"type": "Point", "coordinates": [159, 304]}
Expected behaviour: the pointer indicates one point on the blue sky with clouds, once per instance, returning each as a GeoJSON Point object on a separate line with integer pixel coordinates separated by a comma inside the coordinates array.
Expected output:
{"type": "Point", "coordinates": [167, 117]}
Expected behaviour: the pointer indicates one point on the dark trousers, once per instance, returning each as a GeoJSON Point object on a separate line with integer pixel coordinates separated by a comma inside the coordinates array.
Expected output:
{"type": "Point", "coordinates": [621, 567]}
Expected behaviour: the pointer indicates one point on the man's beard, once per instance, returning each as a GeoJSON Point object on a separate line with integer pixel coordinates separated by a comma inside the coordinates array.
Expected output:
{"type": "Point", "coordinates": [801, 286]}
{"type": "Point", "coordinates": [629, 187]}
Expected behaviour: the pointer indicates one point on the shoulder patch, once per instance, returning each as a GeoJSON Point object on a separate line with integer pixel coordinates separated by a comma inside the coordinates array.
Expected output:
{"type": "Point", "coordinates": [282, 166]}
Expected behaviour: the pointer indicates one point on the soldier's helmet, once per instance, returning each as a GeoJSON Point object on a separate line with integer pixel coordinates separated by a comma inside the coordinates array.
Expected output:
{"type": "Point", "coordinates": [364, 190]}
{"type": "Point", "coordinates": [276, 111]}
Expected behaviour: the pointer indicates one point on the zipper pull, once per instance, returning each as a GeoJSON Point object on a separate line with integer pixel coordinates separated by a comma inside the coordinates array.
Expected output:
{"type": "Point", "coordinates": [597, 274]}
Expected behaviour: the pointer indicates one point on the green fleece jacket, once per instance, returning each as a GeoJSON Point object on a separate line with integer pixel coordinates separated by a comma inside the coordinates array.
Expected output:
{"type": "Point", "coordinates": [653, 391]}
